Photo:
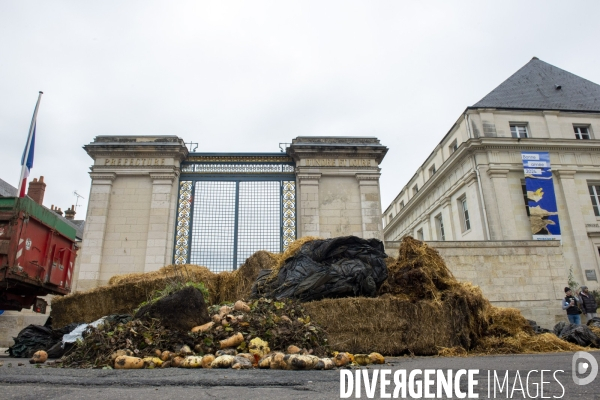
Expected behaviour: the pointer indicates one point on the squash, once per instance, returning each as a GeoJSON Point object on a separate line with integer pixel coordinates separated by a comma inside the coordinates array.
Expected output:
{"type": "Point", "coordinates": [167, 355]}
{"type": "Point", "coordinates": [222, 362]}
{"type": "Point", "coordinates": [118, 353]}
{"type": "Point", "coordinates": [152, 362]}
{"type": "Point", "coordinates": [376, 358]}
{"type": "Point", "coordinates": [241, 363]}
{"type": "Point", "coordinates": [303, 362]}
{"type": "Point", "coordinates": [265, 362]}
{"type": "Point", "coordinates": [259, 346]}
{"type": "Point", "coordinates": [127, 362]}
{"type": "Point", "coordinates": [293, 349]}
{"type": "Point", "coordinates": [177, 361]}
{"type": "Point", "coordinates": [278, 361]}
{"type": "Point", "coordinates": [324, 363]}
{"type": "Point", "coordinates": [203, 328]}
{"type": "Point", "coordinates": [341, 359]}
{"type": "Point", "coordinates": [207, 360]}
{"type": "Point", "coordinates": [39, 357]}
{"type": "Point", "coordinates": [226, 352]}
{"type": "Point", "coordinates": [192, 362]}
{"type": "Point", "coordinates": [362, 359]}
{"type": "Point", "coordinates": [233, 341]}
{"type": "Point", "coordinates": [241, 306]}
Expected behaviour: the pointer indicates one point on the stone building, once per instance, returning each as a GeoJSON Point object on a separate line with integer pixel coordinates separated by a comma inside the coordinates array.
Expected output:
{"type": "Point", "coordinates": [153, 203]}
{"type": "Point", "coordinates": [472, 186]}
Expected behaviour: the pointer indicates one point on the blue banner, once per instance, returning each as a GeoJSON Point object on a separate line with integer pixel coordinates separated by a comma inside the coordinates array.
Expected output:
{"type": "Point", "coordinates": [543, 212]}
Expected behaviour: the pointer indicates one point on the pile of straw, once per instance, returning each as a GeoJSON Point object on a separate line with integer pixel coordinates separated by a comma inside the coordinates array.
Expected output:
{"type": "Point", "coordinates": [510, 333]}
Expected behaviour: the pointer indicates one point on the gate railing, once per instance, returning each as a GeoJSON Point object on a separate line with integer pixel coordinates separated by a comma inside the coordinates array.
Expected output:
{"type": "Point", "coordinates": [231, 205]}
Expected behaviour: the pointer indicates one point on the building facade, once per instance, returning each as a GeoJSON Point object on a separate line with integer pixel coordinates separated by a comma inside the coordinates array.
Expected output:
{"type": "Point", "coordinates": [153, 203]}
{"type": "Point", "coordinates": [472, 186]}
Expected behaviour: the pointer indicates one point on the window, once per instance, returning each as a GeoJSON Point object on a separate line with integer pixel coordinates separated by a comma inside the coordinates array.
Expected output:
{"type": "Point", "coordinates": [420, 235]}
{"type": "Point", "coordinates": [391, 216]}
{"type": "Point", "coordinates": [439, 224]}
{"type": "Point", "coordinates": [582, 132]}
{"type": "Point", "coordinates": [402, 204]}
{"type": "Point", "coordinates": [415, 189]}
{"type": "Point", "coordinates": [453, 146]}
{"type": "Point", "coordinates": [595, 195]}
{"type": "Point", "coordinates": [519, 130]}
{"type": "Point", "coordinates": [432, 170]}
{"type": "Point", "coordinates": [465, 214]}
{"type": "Point", "coordinates": [524, 190]}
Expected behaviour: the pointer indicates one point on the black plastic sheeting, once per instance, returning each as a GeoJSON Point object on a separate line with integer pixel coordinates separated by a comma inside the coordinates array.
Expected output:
{"type": "Point", "coordinates": [327, 268]}
{"type": "Point", "coordinates": [538, 329]}
{"type": "Point", "coordinates": [578, 334]}
{"type": "Point", "coordinates": [594, 322]}
{"type": "Point", "coordinates": [37, 337]}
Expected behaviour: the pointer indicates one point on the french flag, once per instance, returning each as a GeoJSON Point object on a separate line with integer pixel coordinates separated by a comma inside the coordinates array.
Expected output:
{"type": "Point", "coordinates": [27, 158]}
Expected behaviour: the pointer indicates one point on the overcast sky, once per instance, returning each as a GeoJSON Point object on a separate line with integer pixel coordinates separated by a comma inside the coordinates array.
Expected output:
{"type": "Point", "coordinates": [245, 76]}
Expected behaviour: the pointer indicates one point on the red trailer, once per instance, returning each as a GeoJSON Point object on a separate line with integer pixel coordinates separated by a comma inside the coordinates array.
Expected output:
{"type": "Point", "coordinates": [37, 254]}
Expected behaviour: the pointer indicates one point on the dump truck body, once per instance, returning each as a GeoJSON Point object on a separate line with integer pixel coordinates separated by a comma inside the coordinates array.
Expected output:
{"type": "Point", "coordinates": [37, 254]}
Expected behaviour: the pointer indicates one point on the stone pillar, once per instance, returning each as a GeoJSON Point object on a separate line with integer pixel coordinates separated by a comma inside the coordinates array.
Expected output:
{"type": "Point", "coordinates": [159, 248]}
{"type": "Point", "coordinates": [370, 206]}
{"type": "Point", "coordinates": [308, 213]}
{"type": "Point", "coordinates": [503, 201]}
{"type": "Point", "coordinates": [448, 215]}
{"type": "Point", "coordinates": [94, 230]}
{"type": "Point", "coordinates": [130, 218]}
{"type": "Point", "coordinates": [573, 230]}
{"type": "Point", "coordinates": [338, 186]}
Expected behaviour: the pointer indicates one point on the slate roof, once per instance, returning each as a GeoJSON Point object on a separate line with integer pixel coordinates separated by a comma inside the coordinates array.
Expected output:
{"type": "Point", "coordinates": [7, 190]}
{"type": "Point", "coordinates": [533, 87]}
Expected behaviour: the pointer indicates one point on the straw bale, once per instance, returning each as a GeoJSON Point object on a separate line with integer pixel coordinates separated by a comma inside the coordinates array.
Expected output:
{"type": "Point", "coordinates": [236, 285]}
{"type": "Point", "coordinates": [126, 294]}
{"type": "Point", "coordinates": [394, 326]}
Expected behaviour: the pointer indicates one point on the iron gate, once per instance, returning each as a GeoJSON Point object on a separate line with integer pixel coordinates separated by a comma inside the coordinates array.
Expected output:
{"type": "Point", "coordinates": [232, 205]}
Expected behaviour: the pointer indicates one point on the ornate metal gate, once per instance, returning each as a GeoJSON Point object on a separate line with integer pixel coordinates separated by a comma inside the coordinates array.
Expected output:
{"type": "Point", "coordinates": [232, 205]}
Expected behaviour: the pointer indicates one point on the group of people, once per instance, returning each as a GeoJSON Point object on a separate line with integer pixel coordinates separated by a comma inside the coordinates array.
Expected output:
{"type": "Point", "coordinates": [578, 303]}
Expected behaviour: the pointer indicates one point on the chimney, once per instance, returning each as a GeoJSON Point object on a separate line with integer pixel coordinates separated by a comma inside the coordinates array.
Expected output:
{"type": "Point", "coordinates": [70, 213]}
{"type": "Point", "coordinates": [56, 210]}
{"type": "Point", "coordinates": [36, 190]}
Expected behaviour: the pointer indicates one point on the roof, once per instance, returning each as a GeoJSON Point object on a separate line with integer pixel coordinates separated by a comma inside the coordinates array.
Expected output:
{"type": "Point", "coordinates": [534, 86]}
{"type": "Point", "coordinates": [7, 190]}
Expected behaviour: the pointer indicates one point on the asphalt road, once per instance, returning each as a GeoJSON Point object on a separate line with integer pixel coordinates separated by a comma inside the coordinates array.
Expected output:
{"type": "Point", "coordinates": [29, 382]}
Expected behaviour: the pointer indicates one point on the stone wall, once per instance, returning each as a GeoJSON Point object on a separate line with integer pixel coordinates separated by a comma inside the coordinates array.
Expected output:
{"type": "Point", "coordinates": [528, 275]}
{"type": "Point", "coordinates": [338, 186]}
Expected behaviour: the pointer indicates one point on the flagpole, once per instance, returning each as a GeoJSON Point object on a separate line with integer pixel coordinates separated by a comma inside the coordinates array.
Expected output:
{"type": "Point", "coordinates": [22, 183]}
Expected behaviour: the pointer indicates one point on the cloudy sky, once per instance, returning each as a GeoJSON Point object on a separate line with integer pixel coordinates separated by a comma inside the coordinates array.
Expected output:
{"type": "Point", "coordinates": [245, 76]}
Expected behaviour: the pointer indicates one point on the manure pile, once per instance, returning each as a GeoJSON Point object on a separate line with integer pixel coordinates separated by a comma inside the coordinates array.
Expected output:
{"type": "Point", "coordinates": [421, 309]}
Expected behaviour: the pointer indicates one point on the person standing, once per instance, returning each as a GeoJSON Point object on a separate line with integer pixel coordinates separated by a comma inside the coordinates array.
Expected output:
{"type": "Point", "coordinates": [588, 303]}
{"type": "Point", "coordinates": [571, 305]}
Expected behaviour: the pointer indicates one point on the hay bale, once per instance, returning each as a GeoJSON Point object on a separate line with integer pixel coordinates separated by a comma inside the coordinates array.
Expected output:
{"type": "Point", "coordinates": [126, 293]}
{"type": "Point", "coordinates": [236, 285]}
{"type": "Point", "coordinates": [394, 326]}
